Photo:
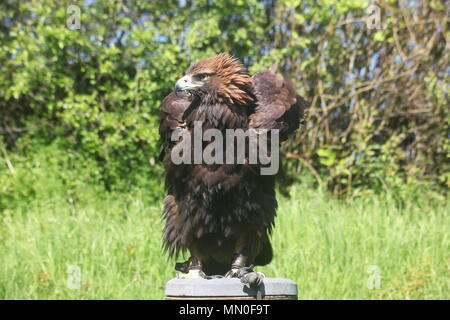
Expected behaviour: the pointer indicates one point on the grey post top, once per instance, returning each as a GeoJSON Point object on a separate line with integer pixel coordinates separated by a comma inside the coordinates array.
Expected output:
{"type": "Point", "coordinates": [228, 287]}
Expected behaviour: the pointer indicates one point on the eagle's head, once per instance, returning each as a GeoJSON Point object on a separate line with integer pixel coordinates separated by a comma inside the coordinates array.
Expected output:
{"type": "Point", "coordinates": [221, 78]}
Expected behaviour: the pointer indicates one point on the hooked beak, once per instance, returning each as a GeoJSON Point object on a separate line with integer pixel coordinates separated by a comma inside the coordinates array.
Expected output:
{"type": "Point", "coordinates": [186, 83]}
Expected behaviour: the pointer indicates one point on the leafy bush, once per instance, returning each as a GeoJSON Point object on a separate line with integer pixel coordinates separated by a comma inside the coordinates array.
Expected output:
{"type": "Point", "coordinates": [88, 98]}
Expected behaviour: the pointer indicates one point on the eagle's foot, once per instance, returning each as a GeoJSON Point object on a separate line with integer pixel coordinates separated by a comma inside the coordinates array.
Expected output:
{"type": "Point", "coordinates": [246, 275]}
{"type": "Point", "coordinates": [253, 279]}
{"type": "Point", "coordinates": [191, 269]}
{"type": "Point", "coordinates": [232, 273]}
{"type": "Point", "coordinates": [192, 274]}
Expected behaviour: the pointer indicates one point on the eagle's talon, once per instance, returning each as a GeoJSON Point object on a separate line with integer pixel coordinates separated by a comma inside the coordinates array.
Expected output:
{"type": "Point", "coordinates": [253, 279]}
{"type": "Point", "coordinates": [192, 274]}
{"type": "Point", "coordinates": [191, 269]}
{"type": "Point", "coordinates": [233, 273]}
{"type": "Point", "coordinates": [247, 276]}
{"type": "Point", "coordinates": [182, 267]}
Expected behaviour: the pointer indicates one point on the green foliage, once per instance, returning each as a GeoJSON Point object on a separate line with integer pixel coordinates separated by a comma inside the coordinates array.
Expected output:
{"type": "Point", "coordinates": [47, 171]}
{"type": "Point", "coordinates": [324, 244]}
{"type": "Point", "coordinates": [79, 141]}
{"type": "Point", "coordinates": [379, 103]}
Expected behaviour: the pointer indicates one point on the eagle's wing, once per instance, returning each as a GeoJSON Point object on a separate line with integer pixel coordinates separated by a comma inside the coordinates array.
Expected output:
{"type": "Point", "coordinates": [172, 113]}
{"type": "Point", "coordinates": [278, 105]}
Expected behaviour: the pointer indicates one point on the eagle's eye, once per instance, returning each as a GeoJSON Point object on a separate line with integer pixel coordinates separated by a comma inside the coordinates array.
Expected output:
{"type": "Point", "coordinates": [203, 76]}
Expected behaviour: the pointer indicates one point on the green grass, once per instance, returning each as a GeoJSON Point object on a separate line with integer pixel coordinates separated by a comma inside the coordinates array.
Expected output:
{"type": "Point", "coordinates": [324, 244]}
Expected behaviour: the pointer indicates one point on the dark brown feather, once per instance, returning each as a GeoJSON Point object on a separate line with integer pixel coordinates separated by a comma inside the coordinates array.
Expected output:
{"type": "Point", "coordinates": [211, 210]}
{"type": "Point", "coordinates": [278, 105]}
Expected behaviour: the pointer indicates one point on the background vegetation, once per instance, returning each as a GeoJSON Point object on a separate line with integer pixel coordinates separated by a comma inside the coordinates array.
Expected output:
{"type": "Point", "coordinates": [327, 246]}
{"type": "Point", "coordinates": [79, 179]}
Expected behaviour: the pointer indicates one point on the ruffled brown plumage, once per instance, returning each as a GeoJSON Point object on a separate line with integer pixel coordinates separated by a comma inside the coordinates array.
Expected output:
{"type": "Point", "coordinates": [214, 211]}
{"type": "Point", "coordinates": [231, 83]}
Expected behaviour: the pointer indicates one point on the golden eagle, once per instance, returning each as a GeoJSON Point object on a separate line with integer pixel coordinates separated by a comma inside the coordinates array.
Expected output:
{"type": "Point", "coordinates": [223, 214]}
